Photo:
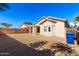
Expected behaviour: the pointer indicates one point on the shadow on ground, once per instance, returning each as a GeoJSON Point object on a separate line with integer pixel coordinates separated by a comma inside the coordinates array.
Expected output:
{"type": "Point", "coordinates": [38, 44]}
{"type": "Point", "coordinates": [63, 49]}
{"type": "Point", "coordinates": [11, 47]}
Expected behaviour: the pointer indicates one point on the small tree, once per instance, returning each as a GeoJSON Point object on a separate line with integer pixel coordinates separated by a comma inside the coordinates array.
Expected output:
{"type": "Point", "coordinates": [7, 25]}
{"type": "Point", "coordinates": [76, 20]}
{"type": "Point", "coordinates": [27, 23]}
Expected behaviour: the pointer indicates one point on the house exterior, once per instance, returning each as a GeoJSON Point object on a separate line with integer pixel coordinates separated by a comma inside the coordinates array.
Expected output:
{"type": "Point", "coordinates": [51, 26]}
{"type": "Point", "coordinates": [27, 25]}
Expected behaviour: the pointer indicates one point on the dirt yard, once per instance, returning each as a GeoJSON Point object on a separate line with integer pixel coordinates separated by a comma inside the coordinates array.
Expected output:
{"type": "Point", "coordinates": [22, 44]}
{"type": "Point", "coordinates": [32, 38]}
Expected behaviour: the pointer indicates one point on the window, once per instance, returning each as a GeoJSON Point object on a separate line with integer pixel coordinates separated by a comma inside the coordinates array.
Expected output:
{"type": "Point", "coordinates": [47, 28]}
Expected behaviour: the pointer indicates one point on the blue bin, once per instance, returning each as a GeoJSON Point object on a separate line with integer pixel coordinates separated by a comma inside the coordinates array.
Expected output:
{"type": "Point", "coordinates": [70, 37]}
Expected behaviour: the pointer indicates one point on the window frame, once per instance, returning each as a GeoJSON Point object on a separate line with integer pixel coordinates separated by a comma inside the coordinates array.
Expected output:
{"type": "Point", "coordinates": [48, 29]}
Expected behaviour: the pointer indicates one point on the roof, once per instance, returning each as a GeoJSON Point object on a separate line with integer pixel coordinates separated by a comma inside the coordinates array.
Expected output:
{"type": "Point", "coordinates": [49, 17]}
{"type": "Point", "coordinates": [40, 19]}
{"type": "Point", "coordinates": [59, 19]}
{"type": "Point", "coordinates": [48, 20]}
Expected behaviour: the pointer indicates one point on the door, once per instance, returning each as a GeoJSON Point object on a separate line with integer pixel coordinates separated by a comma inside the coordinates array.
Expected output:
{"type": "Point", "coordinates": [38, 29]}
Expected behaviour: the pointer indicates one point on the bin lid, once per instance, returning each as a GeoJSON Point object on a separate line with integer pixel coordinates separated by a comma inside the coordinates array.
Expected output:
{"type": "Point", "coordinates": [70, 33]}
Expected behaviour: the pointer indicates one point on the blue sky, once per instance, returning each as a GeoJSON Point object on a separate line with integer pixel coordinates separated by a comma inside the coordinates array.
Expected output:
{"type": "Point", "coordinates": [30, 12]}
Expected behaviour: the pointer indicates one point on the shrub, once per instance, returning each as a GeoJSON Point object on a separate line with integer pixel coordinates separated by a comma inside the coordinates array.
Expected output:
{"type": "Point", "coordinates": [38, 44]}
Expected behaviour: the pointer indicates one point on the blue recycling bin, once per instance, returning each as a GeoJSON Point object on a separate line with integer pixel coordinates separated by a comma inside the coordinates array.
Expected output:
{"type": "Point", "coordinates": [70, 37]}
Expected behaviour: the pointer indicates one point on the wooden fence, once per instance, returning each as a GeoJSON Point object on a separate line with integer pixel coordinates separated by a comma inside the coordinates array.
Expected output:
{"type": "Point", "coordinates": [13, 31]}
{"type": "Point", "coordinates": [77, 35]}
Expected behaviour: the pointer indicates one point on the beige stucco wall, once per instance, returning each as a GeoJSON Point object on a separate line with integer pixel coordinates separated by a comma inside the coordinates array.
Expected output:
{"type": "Point", "coordinates": [47, 23]}
{"type": "Point", "coordinates": [58, 30]}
